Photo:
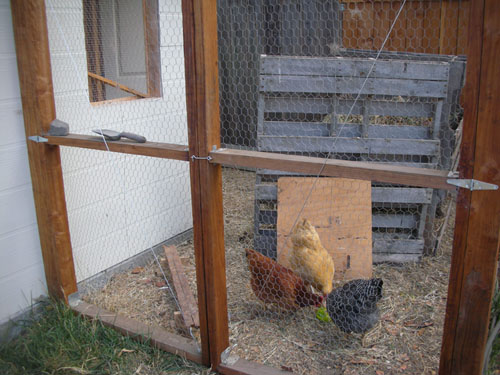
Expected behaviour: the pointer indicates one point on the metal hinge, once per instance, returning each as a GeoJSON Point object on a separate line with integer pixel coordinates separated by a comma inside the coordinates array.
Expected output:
{"type": "Point", "coordinates": [194, 157]}
{"type": "Point", "coordinates": [37, 138]}
{"type": "Point", "coordinates": [472, 184]}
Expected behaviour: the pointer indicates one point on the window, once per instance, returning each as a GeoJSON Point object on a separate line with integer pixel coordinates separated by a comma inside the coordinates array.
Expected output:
{"type": "Point", "coordinates": [123, 52]}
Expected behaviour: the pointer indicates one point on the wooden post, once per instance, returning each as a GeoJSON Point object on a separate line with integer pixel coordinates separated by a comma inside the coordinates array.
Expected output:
{"type": "Point", "coordinates": [202, 91]}
{"type": "Point", "coordinates": [475, 248]}
{"type": "Point", "coordinates": [35, 79]}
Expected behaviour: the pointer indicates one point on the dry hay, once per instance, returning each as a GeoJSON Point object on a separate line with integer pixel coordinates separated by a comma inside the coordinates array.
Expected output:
{"type": "Point", "coordinates": [407, 338]}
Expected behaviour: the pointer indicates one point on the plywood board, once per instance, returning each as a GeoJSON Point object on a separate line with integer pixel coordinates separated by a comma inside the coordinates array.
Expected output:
{"type": "Point", "coordinates": [341, 211]}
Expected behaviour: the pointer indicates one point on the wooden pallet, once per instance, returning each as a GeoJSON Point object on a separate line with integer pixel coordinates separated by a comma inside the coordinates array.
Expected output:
{"type": "Point", "coordinates": [302, 109]}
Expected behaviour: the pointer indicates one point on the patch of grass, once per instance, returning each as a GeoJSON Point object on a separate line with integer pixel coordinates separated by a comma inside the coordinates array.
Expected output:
{"type": "Point", "coordinates": [64, 344]}
{"type": "Point", "coordinates": [492, 352]}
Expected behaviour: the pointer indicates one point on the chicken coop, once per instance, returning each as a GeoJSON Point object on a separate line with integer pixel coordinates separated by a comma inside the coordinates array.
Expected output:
{"type": "Point", "coordinates": [269, 187]}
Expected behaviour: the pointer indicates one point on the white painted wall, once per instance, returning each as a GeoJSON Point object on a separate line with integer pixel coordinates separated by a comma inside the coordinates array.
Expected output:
{"type": "Point", "coordinates": [21, 269]}
{"type": "Point", "coordinates": [119, 205]}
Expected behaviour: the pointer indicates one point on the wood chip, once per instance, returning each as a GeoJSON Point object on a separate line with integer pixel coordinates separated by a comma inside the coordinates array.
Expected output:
{"type": "Point", "coordinates": [137, 270]}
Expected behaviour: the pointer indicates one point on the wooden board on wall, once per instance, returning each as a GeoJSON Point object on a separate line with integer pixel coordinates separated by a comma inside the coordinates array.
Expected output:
{"type": "Point", "coordinates": [433, 26]}
{"type": "Point", "coordinates": [341, 211]}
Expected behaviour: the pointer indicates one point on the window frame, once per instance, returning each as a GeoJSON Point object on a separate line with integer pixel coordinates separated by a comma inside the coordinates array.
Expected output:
{"type": "Point", "coordinates": [95, 62]}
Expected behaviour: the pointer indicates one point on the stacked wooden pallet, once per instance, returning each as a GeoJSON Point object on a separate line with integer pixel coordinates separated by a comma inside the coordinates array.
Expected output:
{"type": "Point", "coordinates": [326, 106]}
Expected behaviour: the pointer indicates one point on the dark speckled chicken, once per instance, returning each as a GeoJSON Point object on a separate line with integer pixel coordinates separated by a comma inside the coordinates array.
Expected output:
{"type": "Point", "coordinates": [353, 307]}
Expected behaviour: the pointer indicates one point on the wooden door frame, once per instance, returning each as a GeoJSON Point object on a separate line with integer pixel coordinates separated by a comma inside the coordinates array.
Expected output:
{"type": "Point", "coordinates": [476, 238]}
{"type": "Point", "coordinates": [475, 249]}
{"type": "Point", "coordinates": [37, 95]}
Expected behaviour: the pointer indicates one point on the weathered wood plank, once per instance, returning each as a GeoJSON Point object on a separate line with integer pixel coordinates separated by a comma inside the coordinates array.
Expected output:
{"type": "Point", "coordinates": [267, 217]}
{"type": "Point", "coordinates": [266, 245]}
{"type": "Point", "coordinates": [321, 129]}
{"type": "Point", "coordinates": [37, 95]}
{"type": "Point", "coordinates": [396, 258]}
{"type": "Point", "coordinates": [244, 367]}
{"type": "Point", "coordinates": [380, 172]}
{"type": "Point", "coordinates": [339, 66]}
{"type": "Point", "coordinates": [318, 105]}
{"type": "Point", "coordinates": [396, 246]}
{"type": "Point", "coordinates": [271, 173]}
{"type": "Point", "coordinates": [407, 221]}
{"type": "Point", "coordinates": [268, 232]}
{"type": "Point", "coordinates": [402, 221]}
{"type": "Point", "coordinates": [349, 145]}
{"type": "Point", "coordinates": [401, 195]}
{"type": "Point", "coordinates": [155, 335]}
{"type": "Point", "coordinates": [184, 295]}
{"type": "Point", "coordinates": [353, 85]}
{"type": "Point", "coordinates": [379, 194]}
{"type": "Point", "coordinates": [266, 192]}
{"type": "Point", "coordinates": [154, 149]}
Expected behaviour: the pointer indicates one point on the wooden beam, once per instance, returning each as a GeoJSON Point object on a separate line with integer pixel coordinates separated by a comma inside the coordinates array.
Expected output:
{"type": "Point", "coordinates": [334, 168]}
{"type": "Point", "coordinates": [202, 91]}
{"type": "Point", "coordinates": [184, 295]}
{"type": "Point", "coordinates": [476, 241]}
{"type": "Point", "coordinates": [155, 335]}
{"type": "Point", "coordinates": [152, 44]}
{"type": "Point", "coordinates": [244, 367]}
{"type": "Point", "coordinates": [93, 47]}
{"type": "Point", "coordinates": [154, 149]}
{"type": "Point", "coordinates": [35, 80]}
{"type": "Point", "coordinates": [110, 82]}
{"type": "Point", "coordinates": [381, 172]}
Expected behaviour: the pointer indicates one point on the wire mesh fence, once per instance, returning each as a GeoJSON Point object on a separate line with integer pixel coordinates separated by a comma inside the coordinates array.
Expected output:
{"type": "Point", "coordinates": [324, 275]}
{"type": "Point", "coordinates": [119, 65]}
{"type": "Point", "coordinates": [291, 311]}
{"type": "Point", "coordinates": [338, 275]}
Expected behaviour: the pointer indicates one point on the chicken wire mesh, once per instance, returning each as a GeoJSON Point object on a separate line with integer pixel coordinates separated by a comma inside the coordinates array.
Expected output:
{"type": "Point", "coordinates": [337, 275]}
{"type": "Point", "coordinates": [374, 81]}
{"type": "Point", "coordinates": [119, 65]}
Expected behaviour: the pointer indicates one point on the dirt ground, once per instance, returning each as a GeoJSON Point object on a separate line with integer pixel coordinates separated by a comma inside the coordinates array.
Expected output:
{"type": "Point", "coordinates": [407, 339]}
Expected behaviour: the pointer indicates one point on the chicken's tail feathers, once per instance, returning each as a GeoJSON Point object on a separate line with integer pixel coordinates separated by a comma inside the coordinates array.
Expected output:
{"type": "Point", "coordinates": [377, 285]}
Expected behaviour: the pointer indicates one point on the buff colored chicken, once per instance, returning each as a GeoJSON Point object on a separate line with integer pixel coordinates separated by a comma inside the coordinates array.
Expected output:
{"type": "Point", "coordinates": [309, 259]}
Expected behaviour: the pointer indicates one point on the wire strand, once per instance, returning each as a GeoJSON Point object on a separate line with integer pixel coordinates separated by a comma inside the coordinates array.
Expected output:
{"type": "Point", "coordinates": [351, 109]}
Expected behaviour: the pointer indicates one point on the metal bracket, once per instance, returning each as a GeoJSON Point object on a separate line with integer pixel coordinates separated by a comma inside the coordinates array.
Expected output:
{"type": "Point", "coordinates": [472, 184]}
{"type": "Point", "coordinates": [226, 358]}
{"type": "Point", "coordinates": [37, 139]}
{"type": "Point", "coordinates": [74, 299]}
{"type": "Point", "coordinates": [194, 157]}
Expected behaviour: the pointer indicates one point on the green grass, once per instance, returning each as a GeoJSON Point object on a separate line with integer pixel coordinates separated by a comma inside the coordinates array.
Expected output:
{"type": "Point", "coordinates": [62, 343]}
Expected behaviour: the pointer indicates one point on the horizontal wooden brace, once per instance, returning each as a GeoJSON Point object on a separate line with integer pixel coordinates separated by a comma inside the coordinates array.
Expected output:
{"type": "Point", "coordinates": [154, 335]}
{"type": "Point", "coordinates": [244, 367]}
{"type": "Point", "coordinates": [154, 149]}
{"type": "Point", "coordinates": [380, 172]}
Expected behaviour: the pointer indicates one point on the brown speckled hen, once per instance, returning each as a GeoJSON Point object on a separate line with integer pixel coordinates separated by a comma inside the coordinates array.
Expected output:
{"type": "Point", "coordinates": [273, 283]}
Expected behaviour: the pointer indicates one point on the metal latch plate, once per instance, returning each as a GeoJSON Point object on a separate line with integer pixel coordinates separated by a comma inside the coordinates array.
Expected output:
{"type": "Point", "coordinates": [472, 184]}
{"type": "Point", "coordinates": [37, 139]}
